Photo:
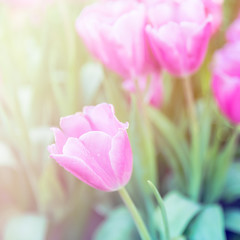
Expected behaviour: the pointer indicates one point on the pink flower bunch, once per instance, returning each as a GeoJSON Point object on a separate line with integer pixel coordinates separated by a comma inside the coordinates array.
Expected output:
{"type": "Point", "coordinates": [114, 32]}
{"type": "Point", "coordinates": [139, 37]}
{"type": "Point", "coordinates": [94, 147]}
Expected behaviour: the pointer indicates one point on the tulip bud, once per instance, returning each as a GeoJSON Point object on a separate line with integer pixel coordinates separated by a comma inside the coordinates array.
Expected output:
{"type": "Point", "coordinates": [94, 147]}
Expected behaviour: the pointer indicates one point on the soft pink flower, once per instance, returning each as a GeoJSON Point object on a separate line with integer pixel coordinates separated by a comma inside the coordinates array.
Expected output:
{"type": "Point", "coordinates": [233, 32]}
{"type": "Point", "coordinates": [94, 147]}
{"type": "Point", "coordinates": [179, 32]}
{"type": "Point", "coordinates": [151, 85]}
{"type": "Point", "coordinates": [214, 10]}
{"type": "Point", "coordinates": [114, 33]}
{"type": "Point", "coordinates": [226, 81]}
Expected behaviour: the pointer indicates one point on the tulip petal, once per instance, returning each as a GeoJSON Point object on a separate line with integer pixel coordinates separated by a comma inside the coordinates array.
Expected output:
{"type": "Point", "coordinates": [197, 38]}
{"type": "Point", "coordinates": [74, 125]}
{"type": "Point", "coordinates": [98, 144]}
{"type": "Point", "coordinates": [121, 157]}
{"type": "Point", "coordinates": [81, 170]}
{"type": "Point", "coordinates": [168, 46]}
{"type": "Point", "coordinates": [60, 140]}
{"type": "Point", "coordinates": [102, 118]}
{"type": "Point", "coordinates": [93, 148]}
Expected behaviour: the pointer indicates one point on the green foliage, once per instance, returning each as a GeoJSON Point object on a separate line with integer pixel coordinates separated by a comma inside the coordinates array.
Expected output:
{"type": "Point", "coordinates": [232, 220]}
{"type": "Point", "coordinates": [142, 143]}
{"type": "Point", "coordinates": [180, 211]}
{"type": "Point", "coordinates": [231, 190]}
{"type": "Point", "coordinates": [118, 226]}
{"type": "Point", "coordinates": [208, 225]}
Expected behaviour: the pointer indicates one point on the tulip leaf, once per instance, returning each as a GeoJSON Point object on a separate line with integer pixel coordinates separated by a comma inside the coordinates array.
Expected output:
{"type": "Point", "coordinates": [219, 174]}
{"type": "Point", "coordinates": [118, 226]}
{"type": "Point", "coordinates": [163, 210]}
{"type": "Point", "coordinates": [180, 211]}
{"type": "Point", "coordinates": [142, 143]}
{"type": "Point", "coordinates": [208, 225]}
{"type": "Point", "coordinates": [172, 144]}
{"type": "Point", "coordinates": [232, 187]}
{"type": "Point", "coordinates": [232, 220]}
{"type": "Point", "coordinates": [26, 227]}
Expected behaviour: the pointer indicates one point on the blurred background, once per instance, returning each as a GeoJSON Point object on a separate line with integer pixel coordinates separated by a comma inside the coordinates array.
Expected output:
{"type": "Point", "coordinates": [46, 73]}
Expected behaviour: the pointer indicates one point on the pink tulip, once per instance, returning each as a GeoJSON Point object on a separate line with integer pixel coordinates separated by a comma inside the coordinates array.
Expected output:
{"type": "Point", "coordinates": [114, 33]}
{"type": "Point", "coordinates": [94, 147]}
{"type": "Point", "coordinates": [179, 32]}
{"type": "Point", "coordinates": [152, 87]}
{"type": "Point", "coordinates": [226, 81]}
{"type": "Point", "coordinates": [233, 32]}
{"type": "Point", "coordinates": [214, 9]}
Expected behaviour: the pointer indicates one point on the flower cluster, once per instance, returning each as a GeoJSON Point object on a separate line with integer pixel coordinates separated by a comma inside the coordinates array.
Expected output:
{"type": "Point", "coordinates": [140, 38]}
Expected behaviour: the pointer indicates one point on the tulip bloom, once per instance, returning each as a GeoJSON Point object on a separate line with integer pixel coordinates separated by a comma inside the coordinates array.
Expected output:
{"type": "Point", "coordinates": [214, 9]}
{"type": "Point", "coordinates": [226, 81]}
{"type": "Point", "coordinates": [179, 32]}
{"type": "Point", "coordinates": [153, 88]}
{"type": "Point", "coordinates": [114, 33]}
{"type": "Point", "coordinates": [94, 147]}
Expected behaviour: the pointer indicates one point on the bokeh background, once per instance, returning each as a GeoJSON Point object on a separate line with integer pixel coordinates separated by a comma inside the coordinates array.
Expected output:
{"type": "Point", "coordinates": [46, 72]}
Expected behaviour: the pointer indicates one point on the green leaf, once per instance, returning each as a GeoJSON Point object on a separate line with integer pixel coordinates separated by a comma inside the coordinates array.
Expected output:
{"type": "Point", "coordinates": [219, 174]}
{"type": "Point", "coordinates": [180, 211]}
{"type": "Point", "coordinates": [232, 187]}
{"type": "Point", "coordinates": [179, 238]}
{"type": "Point", "coordinates": [163, 210]}
{"type": "Point", "coordinates": [26, 227]}
{"type": "Point", "coordinates": [232, 220]}
{"type": "Point", "coordinates": [142, 142]}
{"type": "Point", "coordinates": [208, 225]}
{"type": "Point", "coordinates": [172, 139]}
{"type": "Point", "coordinates": [118, 226]}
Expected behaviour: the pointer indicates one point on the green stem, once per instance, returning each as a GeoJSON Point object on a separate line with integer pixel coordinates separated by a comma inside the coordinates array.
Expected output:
{"type": "Point", "coordinates": [189, 98]}
{"type": "Point", "coordinates": [135, 214]}
{"type": "Point", "coordinates": [195, 183]}
{"type": "Point", "coordinates": [163, 210]}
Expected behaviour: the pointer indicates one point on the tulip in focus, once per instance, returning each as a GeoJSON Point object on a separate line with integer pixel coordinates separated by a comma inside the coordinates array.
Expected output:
{"type": "Point", "coordinates": [179, 32]}
{"type": "Point", "coordinates": [94, 147]}
{"type": "Point", "coordinates": [226, 81]}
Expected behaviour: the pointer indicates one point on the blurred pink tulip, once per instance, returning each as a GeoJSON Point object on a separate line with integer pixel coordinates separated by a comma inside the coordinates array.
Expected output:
{"type": "Point", "coordinates": [233, 32]}
{"type": "Point", "coordinates": [214, 10]}
{"type": "Point", "coordinates": [94, 147]}
{"type": "Point", "coordinates": [179, 32]}
{"type": "Point", "coordinates": [114, 33]}
{"type": "Point", "coordinates": [226, 81]}
{"type": "Point", "coordinates": [153, 88]}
